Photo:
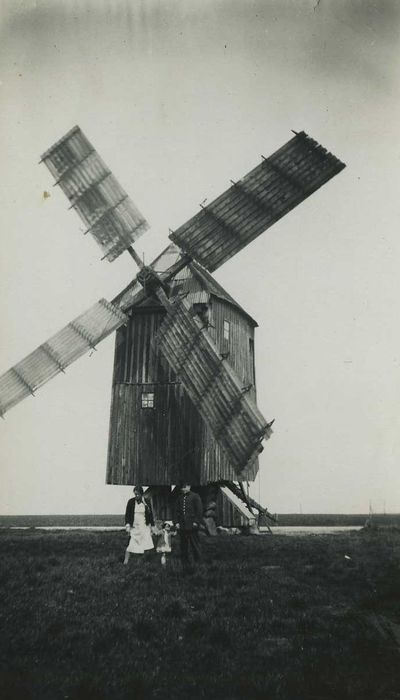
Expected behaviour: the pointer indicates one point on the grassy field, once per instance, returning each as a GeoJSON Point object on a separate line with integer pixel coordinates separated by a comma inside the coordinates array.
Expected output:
{"type": "Point", "coordinates": [263, 618]}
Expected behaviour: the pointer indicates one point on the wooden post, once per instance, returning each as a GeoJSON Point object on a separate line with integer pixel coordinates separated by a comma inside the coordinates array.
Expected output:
{"type": "Point", "coordinates": [160, 497]}
{"type": "Point", "coordinates": [132, 252]}
{"type": "Point", "coordinates": [210, 511]}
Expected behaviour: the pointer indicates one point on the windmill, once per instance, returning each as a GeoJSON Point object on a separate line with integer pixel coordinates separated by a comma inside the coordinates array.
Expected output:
{"type": "Point", "coordinates": [183, 398]}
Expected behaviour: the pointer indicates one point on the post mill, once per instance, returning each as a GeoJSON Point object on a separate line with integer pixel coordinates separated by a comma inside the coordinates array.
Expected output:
{"type": "Point", "coordinates": [183, 401]}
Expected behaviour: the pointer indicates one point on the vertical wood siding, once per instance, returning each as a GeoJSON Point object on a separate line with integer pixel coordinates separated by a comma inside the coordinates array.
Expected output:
{"type": "Point", "coordinates": [161, 445]}
{"type": "Point", "coordinates": [238, 346]}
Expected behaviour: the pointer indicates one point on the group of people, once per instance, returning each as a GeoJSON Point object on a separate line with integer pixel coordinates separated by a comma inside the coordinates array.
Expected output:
{"type": "Point", "coordinates": [140, 525]}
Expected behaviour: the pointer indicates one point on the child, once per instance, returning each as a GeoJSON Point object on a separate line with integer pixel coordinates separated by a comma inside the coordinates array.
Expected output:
{"type": "Point", "coordinates": [164, 542]}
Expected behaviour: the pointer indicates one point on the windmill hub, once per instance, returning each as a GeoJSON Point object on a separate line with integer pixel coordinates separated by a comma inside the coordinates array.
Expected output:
{"type": "Point", "coordinates": [151, 281]}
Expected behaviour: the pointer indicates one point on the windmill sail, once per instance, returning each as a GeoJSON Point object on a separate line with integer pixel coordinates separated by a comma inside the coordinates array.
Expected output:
{"type": "Point", "coordinates": [58, 352]}
{"type": "Point", "coordinates": [213, 386]}
{"type": "Point", "coordinates": [104, 207]}
{"type": "Point", "coordinates": [257, 201]}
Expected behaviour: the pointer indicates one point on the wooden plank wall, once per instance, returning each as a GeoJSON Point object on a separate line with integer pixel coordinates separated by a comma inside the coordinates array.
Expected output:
{"type": "Point", "coordinates": [241, 357]}
{"type": "Point", "coordinates": [161, 445]}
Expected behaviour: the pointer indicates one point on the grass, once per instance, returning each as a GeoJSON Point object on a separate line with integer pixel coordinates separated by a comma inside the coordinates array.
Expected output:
{"type": "Point", "coordinates": [263, 618]}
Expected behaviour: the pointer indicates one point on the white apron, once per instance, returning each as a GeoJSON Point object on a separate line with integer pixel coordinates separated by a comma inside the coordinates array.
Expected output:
{"type": "Point", "coordinates": [141, 539]}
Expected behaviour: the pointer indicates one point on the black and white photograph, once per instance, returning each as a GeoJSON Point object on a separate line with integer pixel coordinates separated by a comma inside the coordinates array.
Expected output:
{"type": "Point", "coordinates": [200, 350]}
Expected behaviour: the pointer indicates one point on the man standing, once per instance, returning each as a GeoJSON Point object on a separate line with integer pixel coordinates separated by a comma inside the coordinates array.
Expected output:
{"type": "Point", "coordinates": [188, 516]}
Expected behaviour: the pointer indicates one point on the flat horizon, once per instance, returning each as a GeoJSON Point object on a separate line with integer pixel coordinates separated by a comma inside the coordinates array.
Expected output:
{"type": "Point", "coordinates": [113, 515]}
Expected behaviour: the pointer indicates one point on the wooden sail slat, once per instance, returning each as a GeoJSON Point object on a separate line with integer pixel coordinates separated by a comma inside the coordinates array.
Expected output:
{"type": "Point", "coordinates": [230, 205]}
{"type": "Point", "coordinates": [275, 190]}
{"type": "Point", "coordinates": [58, 352]}
{"type": "Point", "coordinates": [212, 385]}
{"type": "Point", "coordinates": [103, 205]}
{"type": "Point", "coordinates": [282, 182]}
{"type": "Point", "coordinates": [251, 221]}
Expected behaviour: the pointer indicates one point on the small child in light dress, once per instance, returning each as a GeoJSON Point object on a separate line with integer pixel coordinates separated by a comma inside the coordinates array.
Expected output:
{"type": "Point", "coordinates": [163, 547]}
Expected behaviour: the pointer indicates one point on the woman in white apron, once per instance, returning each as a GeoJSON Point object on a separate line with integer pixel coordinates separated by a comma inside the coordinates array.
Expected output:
{"type": "Point", "coordinates": [138, 522]}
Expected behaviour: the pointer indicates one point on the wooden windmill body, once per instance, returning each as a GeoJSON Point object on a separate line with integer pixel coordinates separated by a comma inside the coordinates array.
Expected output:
{"type": "Point", "coordinates": [183, 396]}
{"type": "Point", "coordinates": [157, 436]}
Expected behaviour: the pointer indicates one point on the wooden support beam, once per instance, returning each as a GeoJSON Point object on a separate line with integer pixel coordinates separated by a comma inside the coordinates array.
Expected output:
{"type": "Point", "coordinates": [245, 497]}
{"type": "Point", "coordinates": [132, 252]}
{"type": "Point", "coordinates": [264, 511]}
{"type": "Point", "coordinates": [210, 510]}
{"type": "Point", "coordinates": [166, 277]}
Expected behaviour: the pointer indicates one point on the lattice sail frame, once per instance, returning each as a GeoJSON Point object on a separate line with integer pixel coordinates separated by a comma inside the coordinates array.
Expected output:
{"type": "Point", "coordinates": [52, 357]}
{"type": "Point", "coordinates": [254, 203]}
{"type": "Point", "coordinates": [233, 418]}
{"type": "Point", "coordinates": [111, 217]}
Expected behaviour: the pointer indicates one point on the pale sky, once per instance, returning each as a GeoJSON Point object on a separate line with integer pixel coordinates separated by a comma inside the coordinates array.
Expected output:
{"type": "Point", "coordinates": [179, 98]}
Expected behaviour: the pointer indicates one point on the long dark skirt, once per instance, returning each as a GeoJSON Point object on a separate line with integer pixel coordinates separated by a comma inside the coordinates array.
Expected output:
{"type": "Point", "coordinates": [190, 547]}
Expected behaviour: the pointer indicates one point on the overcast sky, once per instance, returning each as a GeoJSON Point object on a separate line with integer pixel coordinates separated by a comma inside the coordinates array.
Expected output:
{"type": "Point", "coordinates": [179, 98]}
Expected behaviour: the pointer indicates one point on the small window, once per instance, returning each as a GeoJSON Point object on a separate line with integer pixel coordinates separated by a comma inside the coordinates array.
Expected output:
{"type": "Point", "coordinates": [227, 330]}
{"type": "Point", "coordinates": [148, 400]}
